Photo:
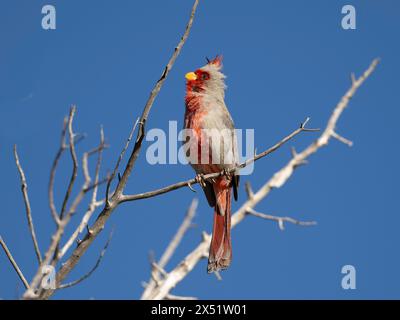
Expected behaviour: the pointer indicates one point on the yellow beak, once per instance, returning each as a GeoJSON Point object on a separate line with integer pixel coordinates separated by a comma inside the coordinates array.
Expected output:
{"type": "Point", "coordinates": [190, 76]}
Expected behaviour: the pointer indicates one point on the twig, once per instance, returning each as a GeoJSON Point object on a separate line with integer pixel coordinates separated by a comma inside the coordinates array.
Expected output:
{"type": "Point", "coordinates": [186, 223]}
{"type": "Point", "coordinates": [59, 153]}
{"type": "Point", "coordinates": [87, 186]}
{"type": "Point", "coordinates": [98, 183]}
{"type": "Point", "coordinates": [74, 175]}
{"type": "Point", "coordinates": [342, 139]}
{"type": "Point", "coordinates": [74, 162]}
{"type": "Point", "coordinates": [121, 155]}
{"type": "Point", "coordinates": [52, 254]}
{"type": "Point", "coordinates": [87, 275]}
{"type": "Point", "coordinates": [277, 180]}
{"type": "Point", "coordinates": [249, 190]}
{"type": "Point", "coordinates": [302, 128]}
{"type": "Point", "coordinates": [217, 275]}
{"type": "Point", "coordinates": [280, 220]}
{"type": "Point", "coordinates": [156, 270]}
{"type": "Point", "coordinates": [93, 203]}
{"type": "Point", "coordinates": [14, 264]}
{"type": "Point", "coordinates": [24, 189]}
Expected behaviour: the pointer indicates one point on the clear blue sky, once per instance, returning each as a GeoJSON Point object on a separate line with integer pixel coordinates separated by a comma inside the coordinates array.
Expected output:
{"type": "Point", "coordinates": [285, 60]}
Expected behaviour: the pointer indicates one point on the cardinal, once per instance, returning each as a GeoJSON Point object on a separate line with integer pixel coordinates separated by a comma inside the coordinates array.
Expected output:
{"type": "Point", "coordinates": [212, 147]}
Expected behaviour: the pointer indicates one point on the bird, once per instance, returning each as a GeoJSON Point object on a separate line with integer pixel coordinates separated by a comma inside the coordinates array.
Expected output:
{"type": "Point", "coordinates": [211, 146]}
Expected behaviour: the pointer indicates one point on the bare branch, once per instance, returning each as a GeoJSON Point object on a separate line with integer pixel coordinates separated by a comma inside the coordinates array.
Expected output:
{"type": "Point", "coordinates": [180, 271]}
{"type": "Point", "coordinates": [342, 139]}
{"type": "Point", "coordinates": [74, 161]}
{"type": "Point", "coordinates": [52, 254]}
{"type": "Point", "coordinates": [186, 223]}
{"type": "Point", "coordinates": [59, 153]}
{"type": "Point", "coordinates": [121, 155]}
{"type": "Point", "coordinates": [14, 264]}
{"type": "Point", "coordinates": [277, 180]}
{"type": "Point", "coordinates": [353, 77]}
{"type": "Point", "coordinates": [249, 190]}
{"type": "Point", "coordinates": [93, 203]}
{"type": "Point", "coordinates": [62, 225]}
{"type": "Point", "coordinates": [217, 274]}
{"type": "Point", "coordinates": [156, 270]}
{"type": "Point", "coordinates": [87, 186]}
{"type": "Point", "coordinates": [302, 128]}
{"type": "Point", "coordinates": [87, 275]}
{"type": "Point", "coordinates": [280, 220]}
{"type": "Point", "coordinates": [24, 189]}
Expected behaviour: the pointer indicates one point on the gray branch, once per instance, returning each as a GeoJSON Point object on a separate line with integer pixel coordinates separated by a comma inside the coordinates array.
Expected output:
{"type": "Point", "coordinates": [13, 263]}
{"type": "Point", "coordinates": [24, 189]}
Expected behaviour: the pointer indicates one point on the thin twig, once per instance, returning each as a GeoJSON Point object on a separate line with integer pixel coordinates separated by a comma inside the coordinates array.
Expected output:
{"type": "Point", "coordinates": [156, 269]}
{"type": "Point", "coordinates": [98, 183]}
{"type": "Point", "coordinates": [342, 139]}
{"type": "Point", "coordinates": [59, 153]}
{"type": "Point", "coordinates": [14, 263]}
{"type": "Point", "coordinates": [87, 275]}
{"type": "Point", "coordinates": [74, 175]}
{"type": "Point", "coordinates": [280, 220]}
{"type": "Point", "coordinates": [74, 162]}
{"type": "Point", "coordinates": [52, 255]}
{"type": "Point", "coordinates": [121, 156]}
{"type": "Point", "coordinates": [24, 189]}
{"type": "Point", "coordinates": [302, 128]}
{"type": "Point", "coordinates": [93, 203]}
{"type": "Point", "coordinates": [249, 190]}
{"type": "Point", "coordinates": [87, 186]}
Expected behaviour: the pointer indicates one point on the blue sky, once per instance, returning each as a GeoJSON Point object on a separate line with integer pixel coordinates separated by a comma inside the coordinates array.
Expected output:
{"type": "Point", "coordinates": [284, 61]}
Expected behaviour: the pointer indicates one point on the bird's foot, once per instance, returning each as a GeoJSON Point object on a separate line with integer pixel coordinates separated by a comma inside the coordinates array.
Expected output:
{"type": "Point", "coordinates": [226, 173]}
{"type": "Point", "coordinates": [200, 179]}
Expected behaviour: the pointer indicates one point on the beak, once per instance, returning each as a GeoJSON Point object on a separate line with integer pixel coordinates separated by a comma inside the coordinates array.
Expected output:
{"type": "Point", "coordinates": [190, 76]}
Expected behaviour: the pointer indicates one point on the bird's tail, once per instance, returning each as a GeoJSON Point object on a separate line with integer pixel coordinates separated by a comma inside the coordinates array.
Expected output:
{"type": "Point", "coordinates": [220, 255]}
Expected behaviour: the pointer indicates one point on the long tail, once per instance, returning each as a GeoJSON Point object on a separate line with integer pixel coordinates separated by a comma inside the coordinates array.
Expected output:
{"type": "Point", "coordinates": [220, 255]}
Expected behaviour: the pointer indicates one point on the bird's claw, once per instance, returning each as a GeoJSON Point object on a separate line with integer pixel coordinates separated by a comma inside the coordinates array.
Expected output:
{"type": "Point", "coordinates": [190, 187]}
{"type": "Point", "coordinates": [200, 180]}
{"type": "Point", "coordinates": [226, 172]}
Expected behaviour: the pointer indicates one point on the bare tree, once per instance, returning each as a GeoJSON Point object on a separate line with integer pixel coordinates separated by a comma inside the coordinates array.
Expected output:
{"type": "Point", "coordinates": [161, 281]}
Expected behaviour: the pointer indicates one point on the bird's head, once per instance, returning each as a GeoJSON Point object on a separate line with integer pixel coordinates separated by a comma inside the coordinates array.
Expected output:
{"type": "Point", "coordinates": [207, 80]}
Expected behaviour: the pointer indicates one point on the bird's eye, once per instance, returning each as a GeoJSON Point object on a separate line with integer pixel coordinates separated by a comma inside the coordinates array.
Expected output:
{"type": "Point", "coordinates": [205, 76]}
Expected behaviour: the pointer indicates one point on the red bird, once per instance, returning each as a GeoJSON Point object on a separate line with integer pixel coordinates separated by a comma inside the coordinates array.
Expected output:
{"type": "Point", "coordinates": [212, 148]}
